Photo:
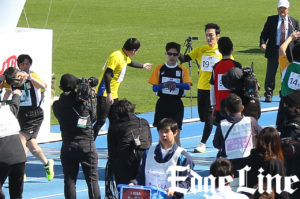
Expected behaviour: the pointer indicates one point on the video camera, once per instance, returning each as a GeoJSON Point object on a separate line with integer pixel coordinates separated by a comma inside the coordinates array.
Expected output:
{"type": "Point", "coordinates": [84, 88]}
{"type": "Point", "coordinates": [190, 38]}
{"type": "Point", "coordinates": [242, 80]}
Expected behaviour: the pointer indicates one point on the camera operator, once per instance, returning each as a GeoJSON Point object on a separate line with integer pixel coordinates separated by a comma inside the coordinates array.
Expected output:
{"type": "Point", "coordinates": [12, 156]}
{"type": "Point", "coordinates": [75, 117]}
{"type": "Point", "coordinates": [290, 137]}
{"type": "Point", "coordinates": [243, 83]}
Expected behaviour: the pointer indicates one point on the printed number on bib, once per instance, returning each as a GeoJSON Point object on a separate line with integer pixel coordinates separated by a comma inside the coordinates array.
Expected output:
{"type": "Point", "coordinates": [221, 87]}
{"type": "Point", "coordinates": [208, 62]}
{"type": "Point", "coordinates": [294, 81]}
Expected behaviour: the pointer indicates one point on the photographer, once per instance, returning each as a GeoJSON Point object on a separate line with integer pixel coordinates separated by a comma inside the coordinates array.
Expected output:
{"type": "Point", "coordinates": [75, 117]}
{"type": "Point", "coordinates": [243, 83]}
{"type": "Point", "coordinates": [12, 159]}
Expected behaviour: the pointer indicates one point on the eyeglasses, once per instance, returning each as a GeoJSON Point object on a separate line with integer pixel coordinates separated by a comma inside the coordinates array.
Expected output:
{"type": "Point", "coordinates": [172, 54]}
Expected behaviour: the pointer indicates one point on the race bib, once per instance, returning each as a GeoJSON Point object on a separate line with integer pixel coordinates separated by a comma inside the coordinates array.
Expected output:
{"type": "Point", "coordinates": [207, 63]}
{"type": "Point", "coordinates": [26, 98]}
{"type": "Point", "coordinates": [294, 81]}
{"type": "Point", "coordinates": [221, 87]}
{"type": "Point", "coordinates": [167, 91]}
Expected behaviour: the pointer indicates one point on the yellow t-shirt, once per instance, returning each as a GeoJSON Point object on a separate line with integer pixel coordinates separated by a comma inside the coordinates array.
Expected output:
{"type": "Point", "coordinates": [206, 56]}
{"type": "Point", "coordinates": [117, 62]}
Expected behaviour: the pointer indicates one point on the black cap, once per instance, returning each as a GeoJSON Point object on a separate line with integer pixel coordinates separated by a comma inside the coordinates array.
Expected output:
{"type": "Point", "coordinates": [293, 99]}
{"type": "Point", "coordinates": [232, 79]}
{"type": "Point", "coordinates": [68, 82]}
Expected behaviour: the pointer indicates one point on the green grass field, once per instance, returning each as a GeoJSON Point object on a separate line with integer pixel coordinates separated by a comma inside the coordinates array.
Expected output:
{"type": "Point", "coordinates": [85, 32]}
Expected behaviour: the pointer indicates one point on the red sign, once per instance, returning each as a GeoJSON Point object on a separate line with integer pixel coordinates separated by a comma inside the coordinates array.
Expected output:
{"type": "Point", "coordinates": [135, 193]}
{"type": "Point", "coordinates": [9, 62]}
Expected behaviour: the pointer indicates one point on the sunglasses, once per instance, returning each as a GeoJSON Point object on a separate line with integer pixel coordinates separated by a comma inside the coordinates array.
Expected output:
{"type": "Point", "coordinates": [172, 54]}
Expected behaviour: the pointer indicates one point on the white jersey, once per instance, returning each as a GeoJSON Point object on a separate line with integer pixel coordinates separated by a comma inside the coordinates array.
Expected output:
{"type": "Point", "coordinates": [156, 173]}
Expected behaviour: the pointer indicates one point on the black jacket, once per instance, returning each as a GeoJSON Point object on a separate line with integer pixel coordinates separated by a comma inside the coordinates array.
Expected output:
{"type": "Point", "coordinates": [67, 110]}
{"type": "Point", "coordinates": [256, 161]}
{"type": "Point", "coordinates": [123, 154]}
{"type": "Point", "coordinates": [269, 32]}
{"type": "Point", "coordinates": [11, 148]}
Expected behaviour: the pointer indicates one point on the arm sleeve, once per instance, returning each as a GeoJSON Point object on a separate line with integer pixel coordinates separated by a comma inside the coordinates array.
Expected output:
{"type": "Point", "coordinates": [157, 87]}
{"type": "Point", "coordinates": [185, 58]}
{"type": "Point", "coordinates": [135, 64]}
{"type": "Point", "coordinates": [107, 78]}
{"type": "Point", "coordinates": [183, 86]}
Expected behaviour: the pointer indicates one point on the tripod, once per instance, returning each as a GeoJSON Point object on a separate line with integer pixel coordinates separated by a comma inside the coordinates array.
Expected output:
{"type": "Point", "coordinates": [189, 48]}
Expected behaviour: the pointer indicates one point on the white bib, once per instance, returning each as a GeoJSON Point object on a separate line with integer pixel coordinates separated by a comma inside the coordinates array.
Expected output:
{"type": "Point", "coordinates": [239, 141]}
{"type": "Point", "coordinates": [156, 173]}
{"type": "Point", "coordinates": [207, 63]}
{"type": "Point", "coordinates": [221, 87]}
{"type": "Point", "coordinates": [167, 91]}
{"type": "Point", "coordinates": [294, 81]}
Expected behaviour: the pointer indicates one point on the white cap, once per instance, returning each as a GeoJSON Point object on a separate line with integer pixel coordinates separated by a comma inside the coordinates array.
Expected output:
{"type": "Point", "coordinates": [283, 3]}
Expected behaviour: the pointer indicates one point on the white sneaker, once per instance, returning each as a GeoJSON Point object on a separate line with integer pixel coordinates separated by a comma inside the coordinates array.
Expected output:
{"type": "Point", "coordinates": [201, 148]}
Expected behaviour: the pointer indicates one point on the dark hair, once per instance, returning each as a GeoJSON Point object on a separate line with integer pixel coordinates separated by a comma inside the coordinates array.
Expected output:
{"type": "Point", "coordinates": [213, 26]}
{"type": "Point", "coordinates": [296, 52]}
{"type": "Point", "coordinates": [22, 58]}
{"type": "Point", "coordinates": [167, 122]}
{"type": "Point", "coordinates": [120, 109]}
{"type": "Point", "coordinates": [269, 145]}
{"type": "Point", "coordinates": [220, 168]}
{"type": "Point", "coordinates": [10, 73]}
{"type": "Point", "coordinates": [68, 82]}
{"type": "Point", "coordinates": [173, 45]}
{"type": "Point", "coordinates": [233, 103]}
{"type": "Point", "coordinates": [225, 45]}
{"type": "Point", "coordinates": [132, 44]}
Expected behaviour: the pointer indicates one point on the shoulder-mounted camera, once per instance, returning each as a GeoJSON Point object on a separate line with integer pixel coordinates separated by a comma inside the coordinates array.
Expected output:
{"type": "Point", "coordinates": [84, 88]}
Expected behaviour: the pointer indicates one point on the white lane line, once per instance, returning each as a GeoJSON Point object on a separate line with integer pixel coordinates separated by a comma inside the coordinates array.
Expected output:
{"type": "Point", "coordinates": [61, 194]}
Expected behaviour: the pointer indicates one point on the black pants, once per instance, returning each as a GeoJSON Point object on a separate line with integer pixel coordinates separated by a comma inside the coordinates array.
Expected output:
{"type": "Point", "coordinates": [272, 66]}
{"type": "Point", "coordinates": [169, 107]}
{"type": "Point", "coordinates": [102, 112]}
{"type": "Point", "coordinates": [84, 153]}
{"type": "Point", "coordinates": [15, 174]}
{"type": "Point", "coordinates": [205, 113]}
{"type": "Point", "coordinates": [126, 165]}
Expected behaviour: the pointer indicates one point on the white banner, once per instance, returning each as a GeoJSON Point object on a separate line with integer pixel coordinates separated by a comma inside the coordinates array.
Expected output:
{"type": "Point", "coordinates": [38, 44]}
